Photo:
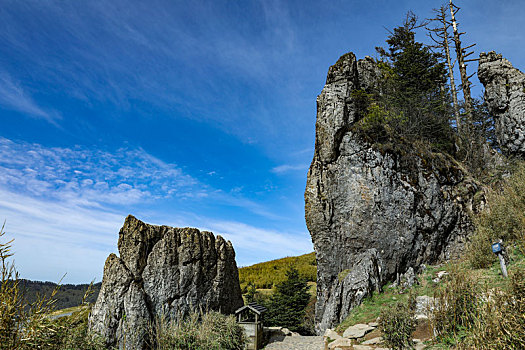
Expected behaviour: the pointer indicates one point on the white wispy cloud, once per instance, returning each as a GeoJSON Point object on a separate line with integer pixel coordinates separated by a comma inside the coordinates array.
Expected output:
{"type": "Point", "coordinates": [64, 206]}
{"type": "Point", "coordinates": [52, 238]}
{"type": "Point", "coordinates": [172, 62]}
{"type": "Point", "coordinates": [90, 177]}
{"type": "Point", "coordinates": [14, 97]}
{"type": "Point", "coordinates": [289, 167]}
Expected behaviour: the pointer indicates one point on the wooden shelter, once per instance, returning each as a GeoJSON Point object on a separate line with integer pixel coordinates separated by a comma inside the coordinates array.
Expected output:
{"type": "Point", "coordinates": [250, 317]}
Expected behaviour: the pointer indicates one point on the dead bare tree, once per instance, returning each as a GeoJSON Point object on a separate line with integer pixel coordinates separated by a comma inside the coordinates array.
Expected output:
{"type": "Point", "coordinates": [440, 36]}
{"type": "Point", "coordinates": [461, 56]}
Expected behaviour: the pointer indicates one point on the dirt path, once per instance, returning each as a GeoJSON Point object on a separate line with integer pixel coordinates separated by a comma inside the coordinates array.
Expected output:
{"type": "Point", "coordinates": [297, 343]}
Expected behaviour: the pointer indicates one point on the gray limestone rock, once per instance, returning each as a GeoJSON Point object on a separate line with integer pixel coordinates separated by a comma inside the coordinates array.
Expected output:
{"type": "Point", "coordinates": [331, 334]}
{"type": "Point", "coordinates": [162, 271]}
{"type": "Point", "coordinates": [340, 343]}
{"type": "Point", "coordinates": [408, 279]}
{"type": "Point", "coordinates": [373, 213]}
{"type": "Point", "coordinates": [505, 98]}
{"type": "Point", "coordinates": [357, 331]}
{"type": "Point", "coordinates": [424, 306]}
{"type": "Point", "coordinates": [373, 341]}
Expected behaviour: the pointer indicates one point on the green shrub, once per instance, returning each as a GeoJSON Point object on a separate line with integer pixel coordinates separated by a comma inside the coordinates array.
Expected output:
{"type": "Point", "coordinates": [398, 323]}
{"type": "Point", "coordinates": [199, 331]}
{"type": "Point", "coordinates": [479, 252]}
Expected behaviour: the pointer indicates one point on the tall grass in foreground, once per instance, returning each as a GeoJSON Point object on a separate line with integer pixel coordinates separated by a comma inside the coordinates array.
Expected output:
{"type": "Point", "coordinates": [28, 326]}
{"type": "Point", "coordinates": [468, 317]}
{"type": "Point", "coordinates": [501, 321]}
{"type": "Point", "coordinates": [398, 323]}
{"type": "Point", "coordinates": [199, 331]}
{"type": "Point", "coordinates": [456, 308]}
{"type": "Point", "coordinates": [504, 218]}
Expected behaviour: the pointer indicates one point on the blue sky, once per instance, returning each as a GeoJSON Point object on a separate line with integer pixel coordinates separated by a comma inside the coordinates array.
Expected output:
{"type": "Point", "coordinates": [183, 113]}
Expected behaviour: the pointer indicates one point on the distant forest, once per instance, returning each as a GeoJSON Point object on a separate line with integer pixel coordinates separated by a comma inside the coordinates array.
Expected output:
{"type": "Point", "coordinates": [69, 295]}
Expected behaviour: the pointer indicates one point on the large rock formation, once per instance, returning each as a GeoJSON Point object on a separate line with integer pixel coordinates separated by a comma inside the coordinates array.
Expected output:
{"type": "Point", "coordinates": [162, 271]}
{"type": "Point", "coordinates": [505, 98]}
{"type": "Point", "coordinates": [374, 212]}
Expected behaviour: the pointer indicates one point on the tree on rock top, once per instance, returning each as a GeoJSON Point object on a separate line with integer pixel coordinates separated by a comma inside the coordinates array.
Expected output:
{"type": "Point", "coordinates": [414, 88]}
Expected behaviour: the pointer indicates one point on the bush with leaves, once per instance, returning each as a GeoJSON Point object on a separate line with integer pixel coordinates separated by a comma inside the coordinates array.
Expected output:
{"type": "Point", "coordinates": [251, 292]}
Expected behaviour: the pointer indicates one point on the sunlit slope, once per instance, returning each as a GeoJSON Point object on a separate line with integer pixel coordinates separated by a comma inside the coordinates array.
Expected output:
{"type": "Point", "coordinates": [266, 274]}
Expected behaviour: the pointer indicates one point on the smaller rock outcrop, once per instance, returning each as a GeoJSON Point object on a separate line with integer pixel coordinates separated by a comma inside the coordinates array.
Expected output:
{"type": "Point", "coordinates": [505, 98]}
{"type": "Point", "coordinates": [162, 271]}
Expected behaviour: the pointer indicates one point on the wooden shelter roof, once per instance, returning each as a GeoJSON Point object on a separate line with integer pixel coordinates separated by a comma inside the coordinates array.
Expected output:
{"type": "Point", "coordinates": [258, 309]}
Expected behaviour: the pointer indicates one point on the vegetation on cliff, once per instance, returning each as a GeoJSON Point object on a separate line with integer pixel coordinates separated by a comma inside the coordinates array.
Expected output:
{"type": "Point", "coordinates": [411, 101]}
{"type": "Point", "coordinates": [413, 89]}
{"type": "Point", "coordinates": [412, 105]}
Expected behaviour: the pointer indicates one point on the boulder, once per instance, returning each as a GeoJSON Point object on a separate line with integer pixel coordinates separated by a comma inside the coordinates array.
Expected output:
{"type": "Point", "coordinates": [408, 279]}
{"type": "Point", "coordinates": [375, 212]}
{"type": "Point", "coordinates": [357, 331]}
{"type": "Point", "coordinates": [331, 334]}
{"type": "Point", "coordinates": [162, 272]}
{"type": "Point", "coordinates": [505, 99]}
{"type": "Point", "coordinates": [340, 343]}
{"type": "Point", "coordinates": [362, 347]}
{"type": "Point", "coordinates": [373, 341]}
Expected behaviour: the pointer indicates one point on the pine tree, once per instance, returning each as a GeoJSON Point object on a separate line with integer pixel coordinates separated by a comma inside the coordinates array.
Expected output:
{"type": "Point", "coordinates": [286, 307]}
{"type": "Point", "coordinates": [251, 294]}
{"type": "Point", "coordinates": [415, 87]}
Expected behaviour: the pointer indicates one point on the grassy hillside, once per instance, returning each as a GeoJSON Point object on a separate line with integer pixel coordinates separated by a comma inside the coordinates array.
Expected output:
{"type": "Point", "coordinates": [266, 274]}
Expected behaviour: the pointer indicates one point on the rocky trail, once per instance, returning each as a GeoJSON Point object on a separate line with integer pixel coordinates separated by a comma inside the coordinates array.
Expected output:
{"type": "Point", "coordinates": [297, 343]}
